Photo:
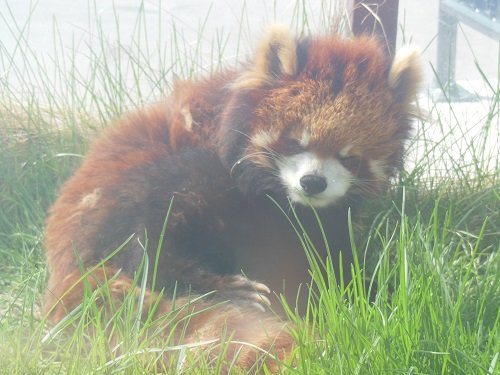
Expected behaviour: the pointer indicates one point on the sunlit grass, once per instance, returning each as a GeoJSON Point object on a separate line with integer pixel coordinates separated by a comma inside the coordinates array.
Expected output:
{"type": "Point", "coordinates": [426, 291]}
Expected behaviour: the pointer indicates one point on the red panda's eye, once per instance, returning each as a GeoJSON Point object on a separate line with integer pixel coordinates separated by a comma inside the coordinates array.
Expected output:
{"type": "Point", "coordinates": [288, 146]}
{"type": "Point", "coordinates": [350, 162]}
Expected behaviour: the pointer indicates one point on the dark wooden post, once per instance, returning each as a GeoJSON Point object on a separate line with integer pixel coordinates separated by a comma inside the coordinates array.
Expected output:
{"type": "Point", "coordinates": [379, 17]}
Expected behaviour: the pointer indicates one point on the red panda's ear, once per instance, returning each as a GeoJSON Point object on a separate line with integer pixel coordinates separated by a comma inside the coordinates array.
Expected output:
{"type": "Point", "coordinates": [275, 57]}
{"type": "Point", "coordinates": [405, 75]}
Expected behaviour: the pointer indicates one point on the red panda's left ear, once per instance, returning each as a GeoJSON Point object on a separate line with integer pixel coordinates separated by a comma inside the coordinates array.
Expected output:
{"type": "Point", "coordinates": [405, 75]}
{"type": "Point", "coordinates": [275, 57]}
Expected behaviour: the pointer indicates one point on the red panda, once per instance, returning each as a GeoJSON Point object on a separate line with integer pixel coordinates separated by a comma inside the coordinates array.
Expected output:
{"type": "Point", "coordinates": [313, 123]}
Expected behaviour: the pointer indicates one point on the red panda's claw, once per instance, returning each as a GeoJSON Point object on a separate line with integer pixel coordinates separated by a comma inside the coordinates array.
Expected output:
{"type": "Point", "coordinates": [261, 288]}
{"type": "Point", "coordinates": [242, 282]}
{"type": "Point", "coordinates": [242, 297]}
{"type": "Point", "coordinates": [263, 299]}
{"type": "Point", "coordinates": [240, 289]}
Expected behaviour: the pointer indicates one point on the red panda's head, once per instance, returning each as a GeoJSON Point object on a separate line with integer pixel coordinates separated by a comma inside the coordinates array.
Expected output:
{"type": "Point", "coordinates": [317, 119]}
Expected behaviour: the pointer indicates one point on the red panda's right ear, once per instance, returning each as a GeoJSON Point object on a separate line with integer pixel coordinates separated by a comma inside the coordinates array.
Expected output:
{"type": "Point", "coordinates": [275, 57]}
{"type": "Point", "coordinates": [405, 75]}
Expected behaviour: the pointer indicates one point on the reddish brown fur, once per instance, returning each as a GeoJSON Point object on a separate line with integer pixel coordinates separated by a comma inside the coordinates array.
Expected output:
{"type": "Point", "coordinates": [192, 147]}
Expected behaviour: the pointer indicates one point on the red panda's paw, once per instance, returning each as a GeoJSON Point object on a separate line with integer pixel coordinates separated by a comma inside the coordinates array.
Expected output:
{"type": "Point", "coordinates": [241, 290]}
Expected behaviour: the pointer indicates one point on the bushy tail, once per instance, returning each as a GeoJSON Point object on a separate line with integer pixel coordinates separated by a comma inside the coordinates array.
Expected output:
{"type": "Point", "coordinates": [248, 337]}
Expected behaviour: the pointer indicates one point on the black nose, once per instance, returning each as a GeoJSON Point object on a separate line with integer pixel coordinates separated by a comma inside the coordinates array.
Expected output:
{"type": "Point", "coordinates": [313, 184]}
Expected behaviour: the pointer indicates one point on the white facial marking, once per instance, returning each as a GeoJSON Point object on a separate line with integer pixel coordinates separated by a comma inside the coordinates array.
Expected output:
{"type": "Point", "coordinates": [304, 140]}
{"type": "Point", "coordinates": [345, 151]}
{"type": "Point", "coordinates": [293, 168]}
{"type": "Point", "coordinates": [378, 169]}
{"type": "Point", "coordinates": [264, 139]}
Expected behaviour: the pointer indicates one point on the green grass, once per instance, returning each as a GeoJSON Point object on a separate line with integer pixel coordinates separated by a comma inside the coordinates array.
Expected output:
{"type": "Point", "coordinates": [430, 245]}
